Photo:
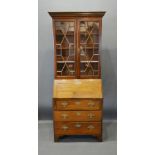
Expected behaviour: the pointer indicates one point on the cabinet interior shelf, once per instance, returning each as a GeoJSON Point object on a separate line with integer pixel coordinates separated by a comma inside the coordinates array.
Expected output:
{"type": "Point", "coordinates": [83, 61]}
{"type": "Point", "coordinates": [85, 33]}
{"type": "Point", "coordinates": [66, 61]}
{"type": "Point", "coordinates": [69, 71]}
{"type": "Point", "coordinates": [89, 61]}
{"type": "Point", "coordinates": [93, 54]}
{"type": "Point", "coordinates": [91, 47]}
{"type": "Point", "coordinates": [61, 34]}
{"type": "Point", "coordinates": [93, 70]}
{"type": "Point", "coordinates": [65, 48]}
{"type": "Point", "coordinates": [91, 43]}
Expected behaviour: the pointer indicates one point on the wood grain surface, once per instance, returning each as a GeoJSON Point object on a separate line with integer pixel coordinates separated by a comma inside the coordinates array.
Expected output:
{"type": "Point", "coordinates": [78, 88]}
{"type": "Point", "coordinates": [78, 104]}
{"type": "Point", "coordinates": [77, 128]}
{"type": "Point", "coordinates": [77, 115]}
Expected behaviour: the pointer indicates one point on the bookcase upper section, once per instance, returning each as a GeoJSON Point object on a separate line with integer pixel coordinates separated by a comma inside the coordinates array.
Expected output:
{"type": "Point", "coordinates": [77, 44]}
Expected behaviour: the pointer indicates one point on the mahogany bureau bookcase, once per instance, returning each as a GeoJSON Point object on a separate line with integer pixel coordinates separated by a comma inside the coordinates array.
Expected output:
{"type": "Point", "coordinates": [77, 90]}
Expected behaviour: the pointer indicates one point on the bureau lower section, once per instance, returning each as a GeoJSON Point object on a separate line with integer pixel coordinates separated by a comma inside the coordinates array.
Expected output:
{"type": "Point", "coordinates": [78, 117]}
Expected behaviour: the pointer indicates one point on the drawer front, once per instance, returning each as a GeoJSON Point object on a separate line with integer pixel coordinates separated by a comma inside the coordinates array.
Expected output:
{"type": "Point", "coordinates": [77, 128]}
{"type": "Point", "coordinates": [78, 105]}
{"type": "Point", "coordinates": [77, 115]}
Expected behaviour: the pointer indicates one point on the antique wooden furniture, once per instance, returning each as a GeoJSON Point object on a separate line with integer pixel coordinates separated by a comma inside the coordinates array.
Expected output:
{"type": "Point", "coordinates": [77, 93]}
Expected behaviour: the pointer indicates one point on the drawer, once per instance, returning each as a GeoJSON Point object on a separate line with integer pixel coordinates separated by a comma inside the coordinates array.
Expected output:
{"type": "Point", "coordinates": [85, 104]}
{"type": "Point", "coordinates": [77, 128]}
{"type": "Point", "coordinates": [77, 115]}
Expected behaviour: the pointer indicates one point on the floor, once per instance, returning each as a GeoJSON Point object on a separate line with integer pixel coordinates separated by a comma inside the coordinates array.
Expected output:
{"type": "Point", "coordinates": [78, 146]}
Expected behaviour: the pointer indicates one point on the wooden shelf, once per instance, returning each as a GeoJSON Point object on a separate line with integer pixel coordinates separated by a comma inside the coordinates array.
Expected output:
{"type": "Point", "coordinates": [61, 34]}
{"type": "Point", "coordinates": [91, 43]}
{"type": "Point", "coordinates": [66, 61]}
{"type": "Point", "coordinates": [65, 48]}
{"type": "Point", "coordinates": [85, 33]}
{"type": "Point", "coordinates": [90, 48]}
{"type": "Point", "coordinates": [93, 54]}
{"type": "Point", "coordinates": [89, 61]}
{"type": "Point", "coordinates": [69, 71]}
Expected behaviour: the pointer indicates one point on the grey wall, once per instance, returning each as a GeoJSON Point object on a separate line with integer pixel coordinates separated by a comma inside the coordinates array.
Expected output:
{"type": "Point", "coordinates": [108, 56]}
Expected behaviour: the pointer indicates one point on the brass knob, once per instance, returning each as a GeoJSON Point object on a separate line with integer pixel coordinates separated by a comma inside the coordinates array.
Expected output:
{"type": "Point", "coordinates": [64, 104]}
{"type": "Point", "coordinates": [77, 125]}
{"type": "Point", "coordinates": [77, 102]}
{"type": "Point", "coordinates": [78, 113]}
{"type": "Point", "coordinates": [91, 116]}
{"type": "Point", "coordinates": [65, 127]}
{"type": "Point", "coordinates": [91, 127]}
{"type": "Point", "coordinates": [64, 116]}
{"type": "Point", "coordinates": [91, 103]}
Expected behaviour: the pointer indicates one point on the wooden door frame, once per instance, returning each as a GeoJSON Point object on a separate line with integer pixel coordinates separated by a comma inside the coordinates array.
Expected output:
{"type": "Point", "coordinates": [91, 19]}
{"type": "Point", "coordinates": [55, 57]}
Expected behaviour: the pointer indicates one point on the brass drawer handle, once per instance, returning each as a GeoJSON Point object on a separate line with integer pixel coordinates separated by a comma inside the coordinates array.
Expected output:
{"type": "Point", "coordinates": [65, 127]}
{"type": "Point", "coordinates": [64, 104]}
{"type": "Point", "coordinates": [64, 116]}
{"type": "Point", "coordinates": [77, 102]}
{"type": "Point", "coordinates": [77, 125]}
{"type": "Point", "coordinates": [91, 116]}
{"type": "Point", "coordinates": [78, 113]}
{"type": "Point", "coordinates": [91, 103]}
{"type": "Point", "coordinates": [91, 127]}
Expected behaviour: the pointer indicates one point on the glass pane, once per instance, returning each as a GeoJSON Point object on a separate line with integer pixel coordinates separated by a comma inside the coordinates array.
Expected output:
{"type": "Point", "coordinates": [89, 48]}
{"type": "Point", "coordinates": [65, 48]}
